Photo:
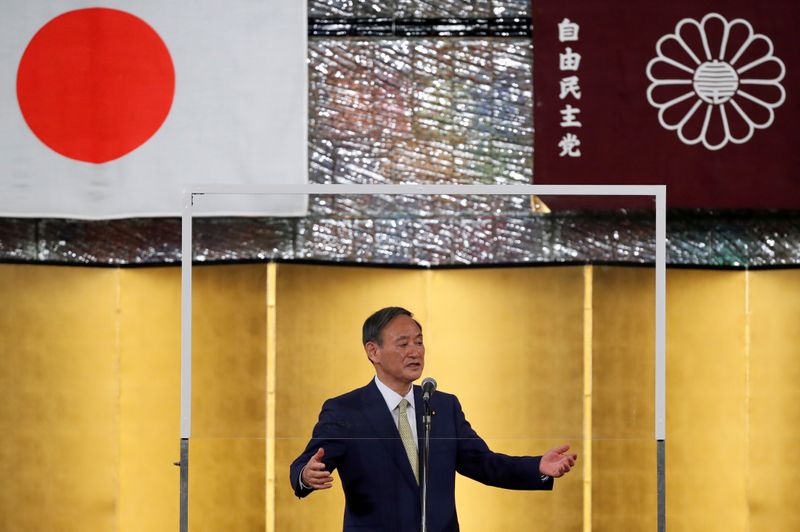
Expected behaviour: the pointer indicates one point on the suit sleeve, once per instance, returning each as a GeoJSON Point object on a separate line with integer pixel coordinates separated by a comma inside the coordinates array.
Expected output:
{"type": "Point", "coordinates": [329, 434]}
{"type": "Point", "coordinates": [476, 461]}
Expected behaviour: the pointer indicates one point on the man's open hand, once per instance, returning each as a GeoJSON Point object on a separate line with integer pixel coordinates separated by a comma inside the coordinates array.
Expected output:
{"type": "Point", "coordinates": [314, 473]}
{"type": "Point", "coordinates": [556, 462]}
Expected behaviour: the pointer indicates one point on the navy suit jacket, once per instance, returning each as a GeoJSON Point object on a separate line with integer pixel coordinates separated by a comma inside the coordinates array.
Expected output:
{"type": "Point", "coordinates": [362, 442]}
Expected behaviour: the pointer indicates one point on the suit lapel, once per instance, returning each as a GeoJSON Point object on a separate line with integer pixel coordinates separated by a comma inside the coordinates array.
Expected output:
{"type": "Point", "coordinates": [382, 422]}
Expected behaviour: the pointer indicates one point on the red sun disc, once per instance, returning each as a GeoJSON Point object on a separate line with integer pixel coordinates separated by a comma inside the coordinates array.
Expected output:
{"type": "Point", "coordinates": [95, 84]}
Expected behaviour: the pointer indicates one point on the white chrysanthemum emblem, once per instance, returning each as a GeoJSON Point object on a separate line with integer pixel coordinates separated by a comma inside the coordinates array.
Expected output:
{"type": "Point", "coordinates": [715, 81]}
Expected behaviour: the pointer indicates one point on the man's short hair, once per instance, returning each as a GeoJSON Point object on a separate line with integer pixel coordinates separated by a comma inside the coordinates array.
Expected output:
{"type": "Point", "coordinates": [373, 326]}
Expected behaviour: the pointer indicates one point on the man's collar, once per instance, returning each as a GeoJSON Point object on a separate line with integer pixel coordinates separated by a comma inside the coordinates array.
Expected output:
{"type": "Point", "coordinates": [393, 398]}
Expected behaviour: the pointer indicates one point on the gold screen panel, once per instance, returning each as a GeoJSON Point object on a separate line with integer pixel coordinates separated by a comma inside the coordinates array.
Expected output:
{"type": "Point", "coordinates": [774, 383]}
{"type": "Point", "coordinates": [149, 324]}
{"type": "Point", "coordinates": [320, 310]}
{"type": "Point", "coordinates": [509, 343]}
{"type": "Point", "coordinates": [227, 451]}
{"type": "Point", "coordinates": [514, 331]}
{"type": "Point", "coordinates": [59, 415]}
{"type": "Point", "coordinates": [706, 445]}
{"type": "Point", "coordinates": [623, 446]}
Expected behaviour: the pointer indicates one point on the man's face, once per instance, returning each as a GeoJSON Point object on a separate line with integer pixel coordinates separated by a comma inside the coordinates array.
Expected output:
{"type": "Point", "coordinates": [400, 357]}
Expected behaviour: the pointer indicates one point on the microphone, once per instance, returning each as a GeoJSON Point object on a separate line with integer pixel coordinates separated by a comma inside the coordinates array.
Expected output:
{"type": "Point", "coordinates": [428, 387]}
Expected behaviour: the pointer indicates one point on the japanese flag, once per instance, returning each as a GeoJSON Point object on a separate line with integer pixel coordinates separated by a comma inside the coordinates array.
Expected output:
{"type": "Point", "coordinates": [107, 112]}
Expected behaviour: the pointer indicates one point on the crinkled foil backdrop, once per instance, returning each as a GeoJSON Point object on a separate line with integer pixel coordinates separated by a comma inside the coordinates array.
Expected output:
{"type": "Point", "coordinates": [418, 8]}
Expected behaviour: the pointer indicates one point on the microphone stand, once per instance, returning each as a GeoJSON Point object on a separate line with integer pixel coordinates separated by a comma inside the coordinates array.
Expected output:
{"type": "Point", "coordinates": [426, 451]}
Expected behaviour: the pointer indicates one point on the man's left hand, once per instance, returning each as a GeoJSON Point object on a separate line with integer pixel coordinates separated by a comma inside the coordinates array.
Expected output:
{"type": "Point", "coordinates": [556, 462]}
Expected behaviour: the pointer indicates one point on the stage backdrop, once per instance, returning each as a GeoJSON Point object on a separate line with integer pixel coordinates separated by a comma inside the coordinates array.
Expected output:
{"type": "Point", "coordinates": [89, 391]}
{"type": "Point", "coordinates": [698, 95]}
{"type": "Point", "coordinates": [107, 112]}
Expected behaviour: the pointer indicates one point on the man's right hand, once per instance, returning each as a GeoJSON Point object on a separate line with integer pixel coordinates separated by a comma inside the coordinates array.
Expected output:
{"type": "Point", "coordinates": [314, 473]}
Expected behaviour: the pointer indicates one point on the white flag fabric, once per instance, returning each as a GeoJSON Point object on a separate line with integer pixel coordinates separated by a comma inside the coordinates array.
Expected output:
{"type": "Point", "coordinates": [109, 112]}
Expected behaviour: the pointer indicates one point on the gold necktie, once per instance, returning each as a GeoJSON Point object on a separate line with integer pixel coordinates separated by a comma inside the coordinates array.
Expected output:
{"type": "Point", "coordinates": [407, 438]}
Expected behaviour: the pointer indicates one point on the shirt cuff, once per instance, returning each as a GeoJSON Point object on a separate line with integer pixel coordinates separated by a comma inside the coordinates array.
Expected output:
{"type": "Point", "coordinates": [300, 481]}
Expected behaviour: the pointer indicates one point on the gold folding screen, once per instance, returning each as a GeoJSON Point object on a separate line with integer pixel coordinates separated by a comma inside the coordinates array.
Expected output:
{"type": "Point", "coordinates": [89, 391]}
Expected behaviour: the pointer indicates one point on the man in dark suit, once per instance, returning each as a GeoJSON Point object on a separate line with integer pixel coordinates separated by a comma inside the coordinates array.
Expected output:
{"type": "Point", "coordinates": [373, 434]}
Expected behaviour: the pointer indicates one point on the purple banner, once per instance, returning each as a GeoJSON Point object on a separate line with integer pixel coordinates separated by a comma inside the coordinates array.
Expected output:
{"type": "Point", "coordinates": [701, 96]}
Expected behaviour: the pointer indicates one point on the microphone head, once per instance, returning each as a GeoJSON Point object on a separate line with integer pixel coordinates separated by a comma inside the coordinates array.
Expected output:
{"type": "Point", "coordinates": [428, 387]}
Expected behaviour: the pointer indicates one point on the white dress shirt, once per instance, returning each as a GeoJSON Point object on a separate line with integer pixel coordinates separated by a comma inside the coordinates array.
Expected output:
{"type": "Point", "coordinates": [393, 399]}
